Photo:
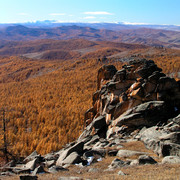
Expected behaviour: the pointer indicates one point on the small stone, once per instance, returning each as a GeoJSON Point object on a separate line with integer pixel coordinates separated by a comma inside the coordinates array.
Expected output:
{"type": "Point", "coordinates": [69, 178]}
{"type": "Point", "coordinates": [144, 159]}
{"type": "Point", "coordinates": [121, 173]}
{"type": "Point", "coordinates": [116, 163]}
{"type": "Point", "coordinates": [93, 170]}
{"type": "Point", "coordinates": [55, 169]}
{"type": "Point", "coordinates": [28, 177]}
{"type": "Point", "coordinates": [134, 162]}
{"type": "Point", "coordinates": [7, 173]}
{"type": "Point", "coordinates": [113, 152]}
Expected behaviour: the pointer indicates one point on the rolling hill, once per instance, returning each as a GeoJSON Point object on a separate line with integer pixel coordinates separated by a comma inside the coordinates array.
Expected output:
{"type": "Point", "coordinates": [147, 36]}
{"type": "Point", "coordinates": [63, 49]}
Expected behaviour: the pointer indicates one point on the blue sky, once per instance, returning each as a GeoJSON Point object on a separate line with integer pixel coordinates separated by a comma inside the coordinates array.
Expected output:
{"type": "Point", "coordinates": [131, 11]}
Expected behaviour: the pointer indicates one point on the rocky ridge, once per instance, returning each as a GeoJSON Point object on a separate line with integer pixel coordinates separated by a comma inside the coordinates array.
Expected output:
{"type": "Point", "coordinates": [136, 103]}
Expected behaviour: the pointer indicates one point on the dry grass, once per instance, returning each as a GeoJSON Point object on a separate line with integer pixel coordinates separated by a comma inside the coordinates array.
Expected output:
{"type": "Point", "coordinates": [142, 172]}
{"type": "Point", "coordinates": [146, 172]}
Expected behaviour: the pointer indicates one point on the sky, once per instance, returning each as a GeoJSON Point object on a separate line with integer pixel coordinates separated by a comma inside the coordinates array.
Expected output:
{"type": "Point", "coordinates": [111, 11]}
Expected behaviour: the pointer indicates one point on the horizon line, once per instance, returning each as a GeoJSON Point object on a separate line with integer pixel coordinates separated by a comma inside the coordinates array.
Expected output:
{"type": "Point", "coordinates": [93, 22]}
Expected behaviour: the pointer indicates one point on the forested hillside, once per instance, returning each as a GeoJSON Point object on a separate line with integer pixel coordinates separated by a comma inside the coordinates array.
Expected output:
{"type": "Point", "coordinates": [45, 101]}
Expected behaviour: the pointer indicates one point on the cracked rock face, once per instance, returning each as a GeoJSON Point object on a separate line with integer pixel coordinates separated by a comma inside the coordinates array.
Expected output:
{"type": "Point", "coordinates": [139, 95]}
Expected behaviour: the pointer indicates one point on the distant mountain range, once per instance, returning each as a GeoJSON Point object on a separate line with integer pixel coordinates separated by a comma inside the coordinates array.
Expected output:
{"type": "Point", "coordinates": [109, 26]}
{"type": "Point", "coordinates": [99, 32]}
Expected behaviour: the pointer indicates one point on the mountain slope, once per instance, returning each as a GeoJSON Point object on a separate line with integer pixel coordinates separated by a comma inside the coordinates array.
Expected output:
{"type": "Point", "coordinates": [61, 49]}
{"type": "Point", "coordinates": [147, 36]}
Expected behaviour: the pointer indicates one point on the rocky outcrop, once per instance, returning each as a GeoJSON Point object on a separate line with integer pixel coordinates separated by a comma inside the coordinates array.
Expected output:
{"type": "Point", "coordinates": [139, 95]}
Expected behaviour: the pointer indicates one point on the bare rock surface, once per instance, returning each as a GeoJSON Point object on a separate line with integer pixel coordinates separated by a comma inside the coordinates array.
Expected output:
{"type": "Point", "coordinates": [144, 159]}
{"type": "Point", "coordinates": [128, 153]}
{"type": "Point", "coordinates": [171, 160]}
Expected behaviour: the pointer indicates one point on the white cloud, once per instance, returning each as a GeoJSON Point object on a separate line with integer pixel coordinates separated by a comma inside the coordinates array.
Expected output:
{"type": "Point", "coordinates": [23, 14]}
{"type": "Point", "coordinates": [65, 21]}
{"type": "Point", "coordinates": [134, 23]}
{"type": "Point", "coordinates": [89, 17]}
{"type": "Point", "coordinates": [98, 13]}
{"type": "Point", "coordinates": [57, 14]}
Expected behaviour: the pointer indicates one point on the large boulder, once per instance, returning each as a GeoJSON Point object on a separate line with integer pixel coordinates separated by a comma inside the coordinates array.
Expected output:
{"type": "Point", "coordinates": [144, 159]}
{"type": "Point", "coordinates": [146, 114]}
{"type": "Point", "coordinates": [32, 164]}
{"type": "Point", "coordinates": [164, 140]}
{"type": "Point", "coordinates": [99, 122]}
{"type": "Point", "coordinates": [129, 153]}
{"type": "Point", "coordinates": [150, 137]}
{"type": "Point", "coordinates": [171, 160]}
{"type": "Point", "coordinates": [78, 147]}
{"type": "Point", "coordinates": [72, 158]}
